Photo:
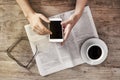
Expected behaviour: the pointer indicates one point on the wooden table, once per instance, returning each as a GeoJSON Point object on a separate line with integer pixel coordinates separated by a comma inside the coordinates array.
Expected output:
{"type": "Point", "coordinates": [106, 15]}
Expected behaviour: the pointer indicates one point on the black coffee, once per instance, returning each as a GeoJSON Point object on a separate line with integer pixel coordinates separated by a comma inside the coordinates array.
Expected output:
{"type": "Point", "coordinates": [94, 52]}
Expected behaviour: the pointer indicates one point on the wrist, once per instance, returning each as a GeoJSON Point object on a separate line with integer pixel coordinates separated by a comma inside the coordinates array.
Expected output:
{"type": "Point", "coordinates": [76, 16]}
{"type": "Point", "coordinates": [29, 15]}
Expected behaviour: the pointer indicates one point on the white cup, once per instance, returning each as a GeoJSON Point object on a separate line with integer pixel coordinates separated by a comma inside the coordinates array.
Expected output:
{"type": "Point", "coordinates": [91, 44]}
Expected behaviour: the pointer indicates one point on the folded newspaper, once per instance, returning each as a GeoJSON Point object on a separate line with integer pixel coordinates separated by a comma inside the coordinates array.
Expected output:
{"type": "Point", "coordinates": [52, 57]}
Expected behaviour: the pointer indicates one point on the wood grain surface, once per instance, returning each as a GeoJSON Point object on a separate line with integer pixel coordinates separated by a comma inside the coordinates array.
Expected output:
{"type": "Point", "coordinates": [106, 14]}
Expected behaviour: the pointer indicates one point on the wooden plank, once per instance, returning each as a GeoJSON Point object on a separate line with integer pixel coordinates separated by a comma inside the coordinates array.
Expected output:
{"type": "Point", "coordinates": [116, 4]}
{"type": "Point", "coordinates": [6, 2]}
{"type": "Point", "coordinates": [76, 73]}
{"type": "Point", "coordinates": [101, 3]}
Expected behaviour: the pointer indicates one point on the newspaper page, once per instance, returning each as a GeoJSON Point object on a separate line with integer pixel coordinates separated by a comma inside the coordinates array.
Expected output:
{"type": "Point", "coordinates": [48, 58]}
{"type": "Point", "coordinates": [83, 30]}
{"type": "Point", "coordinates": [52, 57]}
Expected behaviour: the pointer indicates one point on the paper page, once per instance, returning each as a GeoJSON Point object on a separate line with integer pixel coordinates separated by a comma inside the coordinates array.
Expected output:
{"type": "Point", "coordinates": [84, 26]}
{"type": "Point", "coordinates": [69, 51]}
{"type": "Point", "coordinates": [49, 58]}
{"type": "Point", "coordinates": [83, 30]}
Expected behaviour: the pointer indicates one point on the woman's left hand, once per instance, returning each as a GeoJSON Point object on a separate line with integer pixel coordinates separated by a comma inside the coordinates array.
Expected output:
{"type": "Point", "coordinates": [68, 25]}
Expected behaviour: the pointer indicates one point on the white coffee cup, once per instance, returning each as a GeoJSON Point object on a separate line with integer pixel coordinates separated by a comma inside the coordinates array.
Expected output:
{"type": "Point", "coordinates": [94, 45]}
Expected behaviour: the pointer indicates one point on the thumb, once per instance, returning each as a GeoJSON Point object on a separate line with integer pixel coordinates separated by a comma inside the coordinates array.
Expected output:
{"type": "Point", "coordinates": [67, 32]}
{"type": "Point", "coordinates": [44, 18]}
{"type": "Point", "coordinates": [65, 37]}
{"type": "Point", "coordinates": [64, 23]}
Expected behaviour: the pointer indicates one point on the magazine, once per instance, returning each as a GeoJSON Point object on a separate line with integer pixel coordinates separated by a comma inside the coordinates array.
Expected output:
{"type": "Point", "coordinates": [52, 57]}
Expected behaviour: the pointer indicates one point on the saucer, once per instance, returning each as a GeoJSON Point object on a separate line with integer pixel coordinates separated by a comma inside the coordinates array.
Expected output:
{"type": "Point", "coordinates": [90, 42]}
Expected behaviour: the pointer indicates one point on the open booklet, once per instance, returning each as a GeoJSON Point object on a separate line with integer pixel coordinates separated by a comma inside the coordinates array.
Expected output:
{"type": "Point", "coordinates": [52, 57]}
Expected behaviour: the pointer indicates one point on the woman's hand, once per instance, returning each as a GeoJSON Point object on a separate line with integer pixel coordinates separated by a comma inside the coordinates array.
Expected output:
{"type": "Point", "coordinates": [68, 25]}
{"type": "Point", "coordinates": [35, 20]}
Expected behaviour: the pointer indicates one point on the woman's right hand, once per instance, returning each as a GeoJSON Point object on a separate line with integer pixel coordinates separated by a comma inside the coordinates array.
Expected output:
{"type": "Point", "coordinates": [35, 21]}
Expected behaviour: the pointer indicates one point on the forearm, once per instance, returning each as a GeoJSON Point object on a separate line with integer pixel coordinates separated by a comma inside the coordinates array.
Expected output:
{"type": "Point", "coordinates": [80, 4]}
{"type": "Point", "coordinates": [26, 8]}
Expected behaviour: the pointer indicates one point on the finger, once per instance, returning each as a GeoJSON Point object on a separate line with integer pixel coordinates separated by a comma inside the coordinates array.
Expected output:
{"type": "Point", "coordinates": [66, 35]}
{"type": "Point", "coordinates": [66, 32]}
{"type": "Point", "coordinates": [43, 28]}
{"type": "Point", "coordinates": [64, 23]}
{"type": "Point", "coordinates": [47, 31]}
{"type": "Point", "coordinates": [44, 18]}
{"type": "Point", "coordinates": [37, 27]}
{"type": "Point", "coordinates": [38, 31]}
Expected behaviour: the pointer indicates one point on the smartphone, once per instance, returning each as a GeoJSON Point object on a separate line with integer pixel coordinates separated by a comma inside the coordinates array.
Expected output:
{"type": "Point", "coordinates": [56, 29]}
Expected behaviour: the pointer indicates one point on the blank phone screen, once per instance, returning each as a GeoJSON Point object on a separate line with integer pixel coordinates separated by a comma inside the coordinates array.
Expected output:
{"type": "Point", "coordinates": [56, 28]}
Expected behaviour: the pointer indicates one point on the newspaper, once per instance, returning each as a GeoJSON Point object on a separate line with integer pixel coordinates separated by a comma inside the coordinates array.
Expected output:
{"type": "Point", "coordinates": [52, 57]}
